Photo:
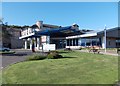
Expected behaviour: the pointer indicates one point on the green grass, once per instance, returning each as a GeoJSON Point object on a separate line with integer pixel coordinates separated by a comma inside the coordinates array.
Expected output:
{"type": "Point", "coordinates": [74, 68]}
{"type": "Point", "coordinates": [0, 77]}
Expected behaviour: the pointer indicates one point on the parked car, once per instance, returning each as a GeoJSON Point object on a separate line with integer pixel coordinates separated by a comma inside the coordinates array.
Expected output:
{"type": "Point", "coordinates": [4, 49]}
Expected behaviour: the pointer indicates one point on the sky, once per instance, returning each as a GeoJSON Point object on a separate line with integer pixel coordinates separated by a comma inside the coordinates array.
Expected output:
{"type": "Point", "coordinates": [88, 15]}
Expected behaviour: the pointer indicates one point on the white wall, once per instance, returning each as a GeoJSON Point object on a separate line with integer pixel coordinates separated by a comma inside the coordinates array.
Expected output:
{"type": "Point", "coordinates": [103, 42]}
{"type": "Point", "coordinates": [73, 47]}
{"type": "Point", "coordinates": [47, 47]}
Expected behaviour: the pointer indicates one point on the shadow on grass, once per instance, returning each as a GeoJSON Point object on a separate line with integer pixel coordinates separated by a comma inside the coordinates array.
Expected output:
{"type": "Point", "coordinates": [96, 53]}
{"type": "Point", "coordinates": [67, 57]}
{"type": "Point", "coordinates": [100, 54]}
{"type": "Point", "coordinates": [116, 83]}
{"type": "Point", "coordinates": [60, 52]}
{"type": "Point", "coordinates": [18, 54]}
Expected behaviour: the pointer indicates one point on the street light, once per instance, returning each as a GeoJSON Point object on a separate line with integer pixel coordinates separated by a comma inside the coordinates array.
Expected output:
{"type": "Point", "coordinates": [105, 37]}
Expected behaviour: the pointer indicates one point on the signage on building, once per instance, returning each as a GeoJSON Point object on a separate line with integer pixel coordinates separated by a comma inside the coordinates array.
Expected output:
{"type": "Point", "coordinates": [27, 31]}
{"type": "Point", "coordinates": [43, 38]}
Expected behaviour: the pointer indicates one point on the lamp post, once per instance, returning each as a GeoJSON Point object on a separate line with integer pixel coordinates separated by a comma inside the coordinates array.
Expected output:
{"type": "Point", "coordinates": [105, 37]}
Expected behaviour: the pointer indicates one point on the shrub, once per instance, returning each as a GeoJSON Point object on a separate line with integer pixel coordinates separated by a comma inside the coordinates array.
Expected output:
{"type": "Point", "coordinates": [55, 52]}
{"type": "Point", "coordinates": [68, 49]}
{"type": "Point", "coordinates": [53, 55]}
{"type": "Point", "coordinates": [7, 52]}
{"type": "Point", "coordinates": [36, 57]}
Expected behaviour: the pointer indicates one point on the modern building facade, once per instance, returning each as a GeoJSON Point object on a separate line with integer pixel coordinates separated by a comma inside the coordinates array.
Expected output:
{"type": "Point", "coordinates": [46, 36]}
{"type": "Point", "coordinates": [110, 40]}
{"type": "Point", "coordinates": [51, 37]}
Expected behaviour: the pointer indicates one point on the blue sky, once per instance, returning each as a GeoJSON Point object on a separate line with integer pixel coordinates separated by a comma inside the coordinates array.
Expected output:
{"type": "Point", "coordinates": [88, 15]}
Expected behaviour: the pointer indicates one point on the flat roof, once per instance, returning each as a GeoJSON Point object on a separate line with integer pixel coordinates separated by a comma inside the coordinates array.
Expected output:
{"type": "Point", "coordinates": [114, 32]}
{"type": "Point", "coordinates": [83, 35]}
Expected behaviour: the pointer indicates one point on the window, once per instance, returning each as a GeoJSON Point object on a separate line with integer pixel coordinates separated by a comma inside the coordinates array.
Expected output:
{"type": "Point", "coordinates": [109, 42]}
{"type": "Point", "coordinates": [118, 42]}
{"type": "Point", "coordinates": [36, 41]}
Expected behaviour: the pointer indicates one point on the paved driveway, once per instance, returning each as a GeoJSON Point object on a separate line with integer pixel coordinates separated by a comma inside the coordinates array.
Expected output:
{"type": "Point", "coordinates": [19, 56]}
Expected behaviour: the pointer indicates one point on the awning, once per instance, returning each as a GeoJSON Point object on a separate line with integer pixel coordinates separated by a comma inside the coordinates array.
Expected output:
{"type": "Point", "coordinates": [57, 30]}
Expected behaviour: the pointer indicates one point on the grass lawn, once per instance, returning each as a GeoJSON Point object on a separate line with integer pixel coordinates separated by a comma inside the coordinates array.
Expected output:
{"type": "Point", "coordinates": [74, 68]}
{"type": "Point", "coordinates": [0, 77]}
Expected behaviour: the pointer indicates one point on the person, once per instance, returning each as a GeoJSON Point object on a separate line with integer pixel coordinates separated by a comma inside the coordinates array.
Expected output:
{"type": "Point", "coordinates": [33, 47]}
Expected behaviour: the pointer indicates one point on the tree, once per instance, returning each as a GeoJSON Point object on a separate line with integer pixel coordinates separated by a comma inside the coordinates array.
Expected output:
{"type": "Point", "coordinates": [4, 35]}
{"type": "Point", "coordinates": [1, 20]}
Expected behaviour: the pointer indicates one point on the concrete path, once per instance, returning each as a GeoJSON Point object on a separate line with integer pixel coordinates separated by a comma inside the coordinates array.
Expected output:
{"type": "Point", "coordinates": [102, 52]}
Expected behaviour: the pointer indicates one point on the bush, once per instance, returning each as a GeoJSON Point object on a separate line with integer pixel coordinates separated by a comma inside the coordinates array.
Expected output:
{"type": "Point", "coordinates": [7, 52]}
{"type": "Point", "coordinates": [69, 49]}
{"type": "Point", "coordinates": [55, 52]}
{"type": "Point", "coordinates": [53, 55]}
{"type": "Point", "coordinates": [36, 57]}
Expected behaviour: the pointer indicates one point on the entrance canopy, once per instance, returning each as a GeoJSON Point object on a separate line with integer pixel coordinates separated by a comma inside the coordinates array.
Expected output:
{"type": "Point", "coordinates": [51, 31]}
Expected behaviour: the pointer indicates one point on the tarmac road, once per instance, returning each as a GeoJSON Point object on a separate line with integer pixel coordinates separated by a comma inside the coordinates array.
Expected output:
{"type": "Point", "coordinates": [19, 56]}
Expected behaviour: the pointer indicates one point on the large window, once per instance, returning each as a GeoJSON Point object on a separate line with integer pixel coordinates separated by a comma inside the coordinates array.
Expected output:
{"type": "Point", "coordinates": [109, 43]}
{"type": "Point", "coordinates": [118, 42]}
{"type": "Point", "coordinates": [89, 41]}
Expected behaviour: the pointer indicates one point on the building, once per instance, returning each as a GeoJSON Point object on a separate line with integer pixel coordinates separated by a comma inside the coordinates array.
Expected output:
{"type": "Point", "coordinates": [10, 36]}
{"type": "Point", "coordinates": [51, 37]}
{"type": "Point", "coordinates": [46, 36]}
{"type": "Point", "coordinates": [15, 42]}
{"type": "Point", "coordinates": [111, 40]}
